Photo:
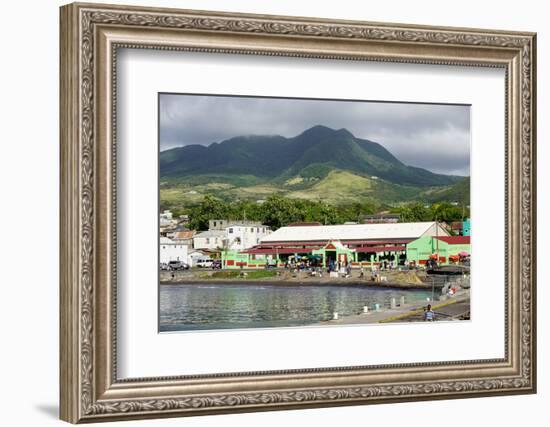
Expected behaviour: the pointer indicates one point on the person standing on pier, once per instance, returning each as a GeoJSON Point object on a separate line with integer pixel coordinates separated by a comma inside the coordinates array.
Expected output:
{"type": "Point", "coordinates": [429, 314]}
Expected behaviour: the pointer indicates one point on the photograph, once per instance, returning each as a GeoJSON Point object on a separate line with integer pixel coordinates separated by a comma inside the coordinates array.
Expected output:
{"type": "Point", "coordinates": [294, 212]}
{"type": "Point", "coordinates": [296, 190]}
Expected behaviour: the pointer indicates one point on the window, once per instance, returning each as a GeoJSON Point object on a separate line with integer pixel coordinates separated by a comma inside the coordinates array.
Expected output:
{"type": "Point", "coordinates": [207, 240]}
{"type": "Point", "coordinates": [230, 231]}
{"type": "Point", "coordinates": [252, 230]}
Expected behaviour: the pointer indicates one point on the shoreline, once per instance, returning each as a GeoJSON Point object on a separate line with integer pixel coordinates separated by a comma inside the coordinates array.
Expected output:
{"type": "Point", "coordinates": [404, 314]}
{"type": "Point", "coordinates": [397, 279]}
{"type": "Point", "coordinates": [282, 283]}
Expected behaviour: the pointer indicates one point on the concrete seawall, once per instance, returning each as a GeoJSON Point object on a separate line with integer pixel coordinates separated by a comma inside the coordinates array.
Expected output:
{"type": "Point", "coordinates": [450, 309]}
{"type": "Point", "coordinates": [286, 278]}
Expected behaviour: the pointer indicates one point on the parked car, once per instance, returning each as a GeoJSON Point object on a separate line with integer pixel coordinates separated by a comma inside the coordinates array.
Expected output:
{"type": "Point", "coordinates": [271, 264]}
{"type": "Point", "coordinates": [217, 263]}
{"type": "Point", "coordinates": [164, 266]}
{"type": "Point", "coordinates": [178, 265]}
{"type": "Point", "coordinates": [205, 263]}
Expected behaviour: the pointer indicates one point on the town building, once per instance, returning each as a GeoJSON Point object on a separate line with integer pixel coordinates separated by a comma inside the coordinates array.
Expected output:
{"type": "Point", "coordinates": [166, 219]}
{"type": "Point", "coordinates": [231, 235]}
{"type": "Point", "coordinates": [218, 224]}
{"type": "Point", "coordinates": [211, 240]}
{"type": "Point", "coordinates": [381, 218]}
{"type": "Point", "coordinates": [461, 228]}
{"type": "Point", "coordinates": [445, 249]}
{"type": "Point", "coordinates": [360, 244]}
{"type": "Point", "coordinates": [466, 227]}
{"type": "Point", "coordinates": [242, 236]}
{"type": "Point", "coordinates": [172, 251]}
{"type": "Point", "coordinates": [184, 237]}
{"type": "Point", "coordinates": [222, 224]}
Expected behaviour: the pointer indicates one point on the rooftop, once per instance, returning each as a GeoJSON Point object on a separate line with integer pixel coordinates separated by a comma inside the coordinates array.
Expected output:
{"type": "Point", "coordinates": [183, 235]}
{"type": "Point", "coordinates": [210, 233]}
{"type": "Point", "coordinates": [244, 224]}
{"type": "Point", "coordinates": [405, 230]}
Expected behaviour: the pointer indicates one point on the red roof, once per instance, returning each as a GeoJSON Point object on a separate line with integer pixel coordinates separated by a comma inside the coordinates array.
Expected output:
{"type": "Point", "coordinates": [380, 248]}
{"type": "Point", "coordinates": [455, 240]}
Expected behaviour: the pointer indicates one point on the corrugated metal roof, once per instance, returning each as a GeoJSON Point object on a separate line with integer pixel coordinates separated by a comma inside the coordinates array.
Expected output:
{"type": "Point", "coordinates": [406, 230]}
{"type": "Point", "coordinates": [182, 235]}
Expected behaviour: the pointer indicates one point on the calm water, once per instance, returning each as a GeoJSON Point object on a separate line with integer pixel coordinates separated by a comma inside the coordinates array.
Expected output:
{"type": "Point", "coordinates": [187, 307]}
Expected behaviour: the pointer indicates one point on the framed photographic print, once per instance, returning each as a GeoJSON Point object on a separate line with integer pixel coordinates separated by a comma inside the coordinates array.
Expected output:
{"type": "Point", "coordinates": [266, 212]}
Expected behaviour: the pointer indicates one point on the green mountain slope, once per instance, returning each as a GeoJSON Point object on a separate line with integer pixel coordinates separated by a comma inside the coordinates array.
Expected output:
{"type": "Point", "coordinates": [279, 158]}
{"type": "Point", "coordinates": [337, 187]}
{"type": "Point", "coordinates": [458, 192]}
{"type": "Point", "coordinates": [320, 164]}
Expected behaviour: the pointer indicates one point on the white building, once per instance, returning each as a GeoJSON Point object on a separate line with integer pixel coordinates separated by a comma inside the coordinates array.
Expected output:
{"type": "Point", "coordinates": [230, 234]}
{"type": "Point", "coordinates": [209, 240]}
{"type": "Point", "coordinates": [243, 236]}
{"type": "Point", "coordinates": [356, 234]}
{"type": "Point", "coordinates": [172, 251]}
{"type": "Point", "coordinates": [166, 219]}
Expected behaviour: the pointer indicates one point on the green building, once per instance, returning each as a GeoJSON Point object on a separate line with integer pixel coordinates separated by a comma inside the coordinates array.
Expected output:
{"type": "Point", "coordinates": [362, 245]}
{"type": "Point", "coordinates": [466, 227]}
{"type": "Point", "coordinates": [333, 251]}
{"type": "Point", "coordinates": [446, 248]}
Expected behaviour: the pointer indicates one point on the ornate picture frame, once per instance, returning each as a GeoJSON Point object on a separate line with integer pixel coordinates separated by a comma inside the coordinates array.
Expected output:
{"type": "Point", "coordinates": [90, 37]}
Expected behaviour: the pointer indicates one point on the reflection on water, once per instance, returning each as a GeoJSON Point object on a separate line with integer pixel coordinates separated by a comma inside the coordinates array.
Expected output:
{"type": "Point", "coordinates": [185, 307]}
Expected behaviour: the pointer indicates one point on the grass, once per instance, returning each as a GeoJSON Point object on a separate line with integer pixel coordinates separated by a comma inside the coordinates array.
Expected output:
{"type": "Point", "coordinates": [179, 196]}
{"type": "Point", "coordinates": [336, 188]}
{"type": "Point", "coordinates": [294, 181]}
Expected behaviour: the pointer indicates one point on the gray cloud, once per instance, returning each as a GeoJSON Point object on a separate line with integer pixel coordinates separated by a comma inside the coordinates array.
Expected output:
{"type": "Point", "coordinates": [432, 136]}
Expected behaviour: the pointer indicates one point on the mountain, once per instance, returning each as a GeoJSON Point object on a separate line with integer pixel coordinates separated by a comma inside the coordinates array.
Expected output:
{"type": "Point", "coordinates": [458, 192]}
{"type": "Point", "coordinates": [311, 155]}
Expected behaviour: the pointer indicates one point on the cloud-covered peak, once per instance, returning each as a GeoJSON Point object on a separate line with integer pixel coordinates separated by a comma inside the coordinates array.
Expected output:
{"type": "Point", "coordinates": [431, 136]}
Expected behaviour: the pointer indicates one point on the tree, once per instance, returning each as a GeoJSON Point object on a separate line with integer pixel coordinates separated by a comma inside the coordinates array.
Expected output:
{"type": "Point", "coordinates": [210, 208]}
{"type": "Point", "coordinates": [278, 212]}
{"type": "Point", "coordinates": [446, 212]}
{"type": "Point", "coordinates": [414, 212]}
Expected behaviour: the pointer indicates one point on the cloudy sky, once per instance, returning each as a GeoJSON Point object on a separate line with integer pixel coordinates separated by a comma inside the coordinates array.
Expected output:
{"type": "Point", "coordinates": [432, 136]}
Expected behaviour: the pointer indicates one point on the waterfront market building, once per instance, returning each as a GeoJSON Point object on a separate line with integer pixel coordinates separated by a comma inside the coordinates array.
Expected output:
{"type": "Point", "coordinates": [447, 248]}
{"type": "Point", "coordinates": [358, 244]}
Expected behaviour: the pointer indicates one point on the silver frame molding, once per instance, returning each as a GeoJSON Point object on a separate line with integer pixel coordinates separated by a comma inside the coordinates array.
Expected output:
{"type": "Point", "coordinates": [90, 37]}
